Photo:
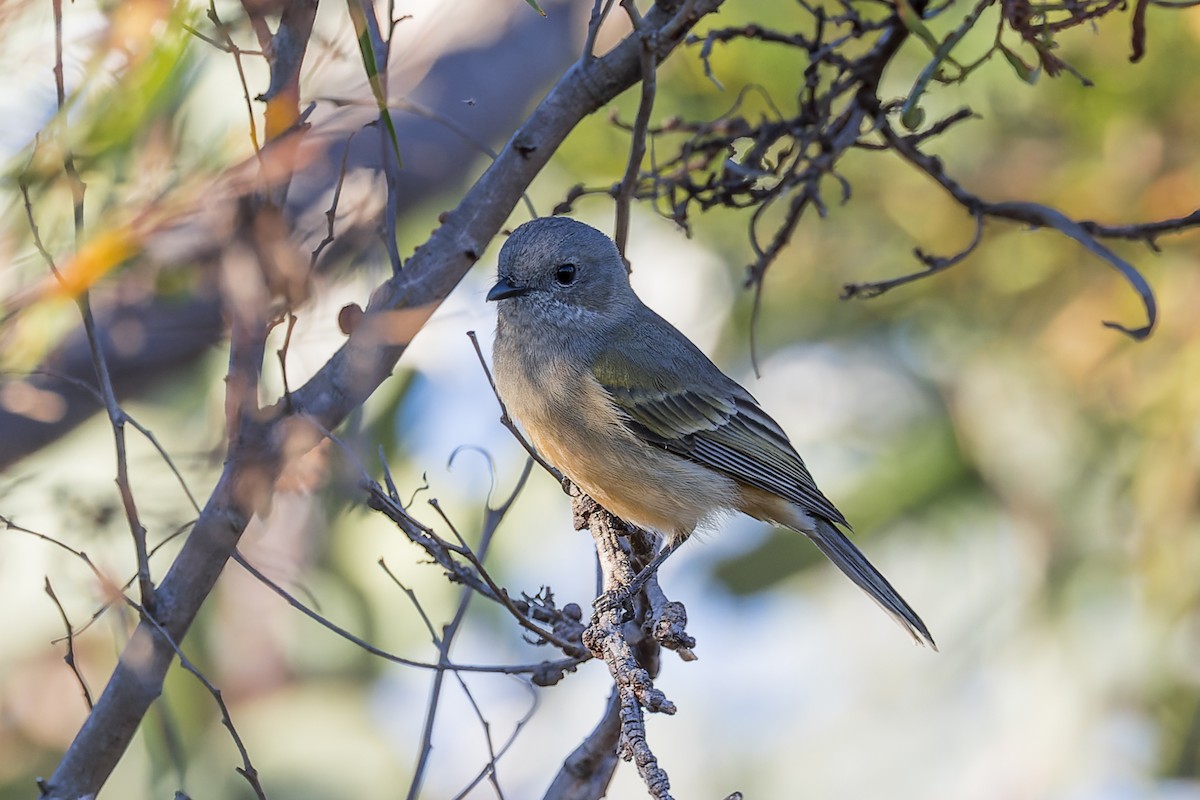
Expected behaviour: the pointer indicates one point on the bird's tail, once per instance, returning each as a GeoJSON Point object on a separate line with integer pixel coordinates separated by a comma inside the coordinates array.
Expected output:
{"type": "Point", "coordinates": [850, 560]}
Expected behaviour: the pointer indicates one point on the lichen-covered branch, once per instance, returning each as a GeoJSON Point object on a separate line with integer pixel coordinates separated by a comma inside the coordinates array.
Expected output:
{"type": "Point", "coordinates": [632, 658]}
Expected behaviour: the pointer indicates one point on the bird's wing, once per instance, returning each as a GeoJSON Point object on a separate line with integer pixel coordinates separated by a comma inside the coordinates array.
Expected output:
{"type": "Point", "coordinates": [722, 429]}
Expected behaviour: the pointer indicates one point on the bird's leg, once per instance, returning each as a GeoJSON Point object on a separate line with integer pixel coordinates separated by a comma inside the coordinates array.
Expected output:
{"type": "Point", "coordinates": [622, 596]}
{"type": "Point", "coordinates": [648, 571]}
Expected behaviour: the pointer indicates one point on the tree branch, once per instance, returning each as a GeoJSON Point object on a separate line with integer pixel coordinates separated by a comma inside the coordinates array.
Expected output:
{"type": "Point", "coordinates": [631, 658]}
{"type": "Point", "coordinates": [637, 144]}
{"type": "Point", "coordinates": [1033, 214]}
{"type": "Point", "coordinates": [586, 773]}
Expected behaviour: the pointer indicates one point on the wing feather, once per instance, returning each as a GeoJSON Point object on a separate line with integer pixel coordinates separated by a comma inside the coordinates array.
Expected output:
{"type": "Point", "coordinates": [730, 434]}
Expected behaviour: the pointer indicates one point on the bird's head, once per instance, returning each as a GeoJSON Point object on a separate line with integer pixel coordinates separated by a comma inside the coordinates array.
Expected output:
{"type": "Point", "coordinates": [558, 270]}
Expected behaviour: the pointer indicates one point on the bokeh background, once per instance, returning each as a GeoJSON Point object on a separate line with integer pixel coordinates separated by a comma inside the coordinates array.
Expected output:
{"type": "Point", "coordinates": [1026, 478]}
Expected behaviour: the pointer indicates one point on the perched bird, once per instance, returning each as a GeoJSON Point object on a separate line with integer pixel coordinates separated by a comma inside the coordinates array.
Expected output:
{"type": "Point", "coordinates": [632, 412]}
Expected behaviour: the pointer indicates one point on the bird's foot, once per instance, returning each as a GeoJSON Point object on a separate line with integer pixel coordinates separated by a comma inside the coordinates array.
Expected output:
{"type": "Point", "coordinates": [618, 600]}
{"type": "Point", "coordinates": [622, 596]}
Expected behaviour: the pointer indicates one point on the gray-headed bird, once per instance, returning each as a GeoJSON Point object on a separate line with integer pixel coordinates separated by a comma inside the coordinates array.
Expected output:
{"type": "Point", "coordinates": [630, 410]}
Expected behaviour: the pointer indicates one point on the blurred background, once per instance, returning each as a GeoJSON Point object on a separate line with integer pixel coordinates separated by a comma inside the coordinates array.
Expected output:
{"type": "Point", "coordinates": [1027, 478]}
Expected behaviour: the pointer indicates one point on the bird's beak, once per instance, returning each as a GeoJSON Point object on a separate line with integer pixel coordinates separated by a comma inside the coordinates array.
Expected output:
{"type": "Point", "coordinates": [506, 288]}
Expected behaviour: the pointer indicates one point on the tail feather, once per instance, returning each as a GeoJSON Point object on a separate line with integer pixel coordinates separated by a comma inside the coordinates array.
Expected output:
{"type": "Point", "coordinates": [850, 560]}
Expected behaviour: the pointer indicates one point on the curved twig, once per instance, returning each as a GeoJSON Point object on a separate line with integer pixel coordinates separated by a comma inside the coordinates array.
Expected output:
{"type": "Point", "coordinates": [1035, 214]}
{"type": "Point", "coordinates": [637, 144]}
{"type": "Point", "coordinates": [933, 265]}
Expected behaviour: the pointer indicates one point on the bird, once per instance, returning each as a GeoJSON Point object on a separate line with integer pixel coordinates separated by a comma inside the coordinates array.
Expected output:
{"type": "Point", "coordinates": [628, 408]}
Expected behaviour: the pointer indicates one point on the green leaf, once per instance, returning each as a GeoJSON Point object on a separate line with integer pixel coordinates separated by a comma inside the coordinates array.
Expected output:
{"type": "Point", "coordinates": [1024, 71]}
{"type": "Point", "coordinates": [149, 88]}
{"type": "Point", "coordinates": [363, 31]}
{"type": "Point", "coordinates": [912, 20]}
{"type": "Point", "coordinates": [533, 4]}
{"type": "Point", "coordinates": [913, 115]}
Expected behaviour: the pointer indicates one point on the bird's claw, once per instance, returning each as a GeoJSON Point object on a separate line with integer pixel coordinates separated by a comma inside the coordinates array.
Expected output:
{"type": "Point", "coordinates": [619, 600]}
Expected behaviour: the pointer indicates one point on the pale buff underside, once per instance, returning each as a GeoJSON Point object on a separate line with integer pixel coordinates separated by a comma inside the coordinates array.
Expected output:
{"type": "Point", "coordinates": [571, 422]}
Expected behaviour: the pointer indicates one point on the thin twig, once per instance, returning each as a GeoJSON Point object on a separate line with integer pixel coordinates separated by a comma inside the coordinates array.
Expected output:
{"type": "Point", "coordinates": [35, 233]}
{"type": "Point", "coordinates": [231, 47]}
{"type": "Point", "coordinates": [117, 418]}
{"type": "Point", "coordinates": [124, 587]}
{"type": "Point", "coordinates": [933, 265]}
{"type": "Point", "coordinates": [105, 581]}
{"type": "Point", "coordinates": [507, 421]}
{"type": "Point", "coordinates": [600, 11]}
{"type": "Point", "coordinates": [331, 212]}
{"type": "Point", "coordinates": [69, 657]}
{"type": "Point", "coordinates": [425, 748]}
{"type": "Point", "coordinates": [131, 420]}
{"type": "Point", "coordinates": [282, 354]}
{"type": "Point", "coordinates": [514, 669]}
{"type": "Point", "coordinates": [324, 621]}
{"type": "Point", "coordinates": [166, 457]}
{"type": "Point", "coordinates": [489, 769]}
{"type": "Point", "coordinates": [1147, 232]}
{"type": "Point", "coordinates": [247, 770]}
{"type": "Point", "coordinates": [637, 144]}
{"type": "Point", "coordinates": [116, 415]}
{"type": "Point", "coordinates": [499, 594]}
{"type": "Point", "coordinates": [565, 629]}
{"type": "Point", "coordinates": [444, 643]}
{"type": "Point", "coordinates": [1034, 214]}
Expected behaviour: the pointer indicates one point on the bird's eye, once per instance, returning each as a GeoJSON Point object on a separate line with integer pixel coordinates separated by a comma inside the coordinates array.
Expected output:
{"type": "Point", "coordinates": [565, 274]}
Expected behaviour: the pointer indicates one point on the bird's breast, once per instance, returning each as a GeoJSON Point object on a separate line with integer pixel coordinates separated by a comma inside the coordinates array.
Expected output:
{"type": "Point", "coordinates": [570, 419]}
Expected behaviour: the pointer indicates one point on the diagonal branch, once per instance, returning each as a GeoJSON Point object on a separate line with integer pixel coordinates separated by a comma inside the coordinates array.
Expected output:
{"type": "Point", "coordinates": [585, 774]}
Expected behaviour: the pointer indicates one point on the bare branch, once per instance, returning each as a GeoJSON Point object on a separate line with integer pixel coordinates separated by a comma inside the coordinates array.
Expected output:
{"type": "Point", "coordinates": [69, 657]}
{"type": "Point", "coordinates": [1039, 215]}
{"type": "Point", "coordinates": [331, 212]}
{"type": "Point", "coordinates": [247, 769]}
{"type": "Point", "coordinates": [933, 265]}
{"type": "Point", "coordinates": [586, 773]}
{"type": "Point", "coordinates": [637, 145]}
{"type": "Point", "coordinates": [1034, 214]}
{"type": "Point", "coordinates": [231, 47]}
{"type": "Point", "coordinates": [488, 770]}
{"type": "Point", "coordinates": [608, 638]}
{"type": "Point", "coordinates": [507, 421]}
{"type": "Point", "coordinates": [116, 415]}
{"type": "Point", "coordinates": [476, 576]}
{"type": "Point", "coordinates": [600, 11]}
{"type": "Point", "coordinates": [443, 644]}
{"type": "Point", "coordinates": [515, 669]}
{"type": "Point", "coordinates": [324, 621]}
{"type": "Point", "coordinates": [1147, 232]}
